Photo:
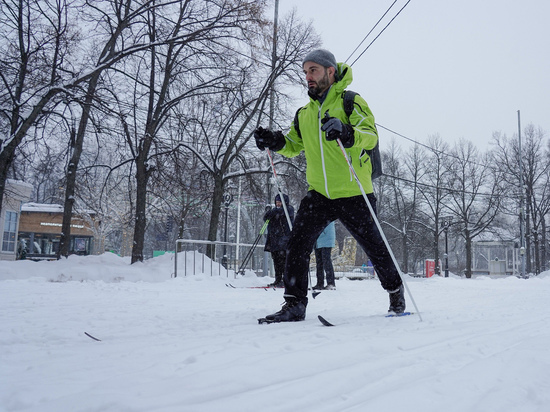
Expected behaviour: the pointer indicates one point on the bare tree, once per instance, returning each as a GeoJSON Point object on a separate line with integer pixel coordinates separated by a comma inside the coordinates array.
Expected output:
{"type": "Point", "coordinates": [40, 66]}
{"type": "Point", "coordinates": [36, 48]}
{"type": "Point", "coordinates": [224, 149]}
{"type": "Point", "coordinates": [433, 190]}
{"type": "Point", "coordinates": [116, 17]}
{"type": "Point", "coordinates": [537, 188]}
{"type": "Point", "coordinates": [536, 170]}
{"type": "Point", "coordinates": [476, 194]}
{"type": "Point", "coordinates": [197, 63]}
{"type": "Point", "coordinates": [400, 197]}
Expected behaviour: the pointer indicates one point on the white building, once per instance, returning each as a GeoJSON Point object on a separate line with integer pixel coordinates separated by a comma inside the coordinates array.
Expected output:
{"type": "Point", "coordinates": [15, 194]}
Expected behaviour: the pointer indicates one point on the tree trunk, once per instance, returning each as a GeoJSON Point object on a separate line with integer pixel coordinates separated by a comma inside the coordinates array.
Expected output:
{"type": "Point", "coordinates": [528, 258]}
{"type": "Point", "coordinates": [436, 250]}
{"type": "Point", "coordinates": [217, 199]}
{"type": "Point", "coordinates": [6, 159]}
{"type": "Point", "coordinates": [543, 251]}
{"type": "Point", "coordinates": [142, 178]}
{"type": "Point", "coordinates": [70, 185]}
{"type": "Point", "coordinates": [405, 268]}
{"type": "Point", "coordinates": [181, 220]}
{"type": "Point", "coordinates": [536, 245]}
{"type": "Point", "coordinates": [468, 270]}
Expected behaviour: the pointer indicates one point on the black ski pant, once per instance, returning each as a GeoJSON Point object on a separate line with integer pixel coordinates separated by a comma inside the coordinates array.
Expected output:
{"type": "Point", "coordinates": [279, 258]}
{"type": "Point", "coordinates": [314, 214]}
{"type": "Point", "coordinates": [323, 261]}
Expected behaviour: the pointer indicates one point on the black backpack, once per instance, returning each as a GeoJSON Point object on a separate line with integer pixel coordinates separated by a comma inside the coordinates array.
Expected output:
{"type": "Point", "coordinates": [374, 153]}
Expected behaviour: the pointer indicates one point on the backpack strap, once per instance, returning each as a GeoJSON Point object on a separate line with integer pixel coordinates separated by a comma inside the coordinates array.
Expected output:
{"type": "Point", "coordinates": [348, 97]}
{"type": "Point", "coordinates": [297, 123]}
{"type": "Point", "coordinates": [374, 153]}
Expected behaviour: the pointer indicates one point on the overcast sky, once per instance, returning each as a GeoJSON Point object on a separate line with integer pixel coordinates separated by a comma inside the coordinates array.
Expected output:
{"type": "Point", "coordinates": [460, 69]}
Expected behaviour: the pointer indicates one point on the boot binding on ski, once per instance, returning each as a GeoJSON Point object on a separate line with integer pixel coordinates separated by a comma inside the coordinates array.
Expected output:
{"type": "Point", "coordinates": [397, 301]}
{"type": "Point", "coordinates": [292, 311]}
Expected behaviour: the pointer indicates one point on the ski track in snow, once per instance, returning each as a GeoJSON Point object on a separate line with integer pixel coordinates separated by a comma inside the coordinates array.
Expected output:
{"type": "Point", "coordinates": [193, 344]}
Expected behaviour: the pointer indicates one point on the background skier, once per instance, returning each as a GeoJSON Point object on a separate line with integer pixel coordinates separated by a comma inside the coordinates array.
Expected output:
{"type": "Point", "coordinates": [278, 233]}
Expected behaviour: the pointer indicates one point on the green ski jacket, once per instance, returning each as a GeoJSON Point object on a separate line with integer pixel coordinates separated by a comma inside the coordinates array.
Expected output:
{"type": "Point", "coordinates": [327, 170]}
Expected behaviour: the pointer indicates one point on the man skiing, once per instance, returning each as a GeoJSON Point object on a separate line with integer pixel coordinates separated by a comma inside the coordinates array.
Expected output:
{"type": "Point", "coordinates": [333, 193]}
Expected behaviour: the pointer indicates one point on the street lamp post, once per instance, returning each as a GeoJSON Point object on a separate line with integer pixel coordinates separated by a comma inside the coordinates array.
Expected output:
{"type": "Point", "coordinates": [227, 199]}
{"type": "Point", "coordinates": [446, 223]}
{"type": "Point", "coordinates": [521, 203]}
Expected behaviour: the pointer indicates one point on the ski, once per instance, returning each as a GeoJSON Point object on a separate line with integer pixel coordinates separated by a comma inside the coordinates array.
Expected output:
{"type": "Point", "coordinates": [266, 287]}
{"type": "Point", "coordinates": [267, 321]}
{"type": "Point", "coordinates": [324, 321]}
{"type": "Point", "coordinates": [93, 337]}
{"type": "Point", "coordinates": [389, 315]}
{"type": "Point", "coordinates": [398, 315]}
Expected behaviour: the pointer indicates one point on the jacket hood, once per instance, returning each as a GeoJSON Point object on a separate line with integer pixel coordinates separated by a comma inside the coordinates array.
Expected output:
{"type": "Point", "coordinates": [344, 77]}
{"type": "Point", "coordinates": [287, 200]}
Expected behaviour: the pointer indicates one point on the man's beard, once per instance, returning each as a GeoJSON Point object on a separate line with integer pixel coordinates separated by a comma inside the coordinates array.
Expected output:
{"type": "Point", "coordinates": [321, 86]}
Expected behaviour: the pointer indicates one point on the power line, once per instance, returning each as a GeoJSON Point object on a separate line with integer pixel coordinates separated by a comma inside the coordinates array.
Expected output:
{"type": "Point", "coordinates": [440, 152]}
{"type": "Point", "coordinates": [371, 30]}
{"type": "Point", "coordinates": [446, 189]}
{"type": "Point", "coordinates": [382, 31]}
{"type": "Point", "coordinates": [383, 127]}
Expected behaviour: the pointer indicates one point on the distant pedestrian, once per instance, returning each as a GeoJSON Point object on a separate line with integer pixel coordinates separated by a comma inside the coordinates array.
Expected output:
{"type": "Point", "coordinates": [323, 259]}
{"type": "Point", "coordinates": [278, 233]}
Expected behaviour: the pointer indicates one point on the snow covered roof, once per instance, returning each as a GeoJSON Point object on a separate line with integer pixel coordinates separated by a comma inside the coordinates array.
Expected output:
{"type": "Point", "coordinates": [41, 207]}
{"type": "Point", "coordinates": [49, 208]}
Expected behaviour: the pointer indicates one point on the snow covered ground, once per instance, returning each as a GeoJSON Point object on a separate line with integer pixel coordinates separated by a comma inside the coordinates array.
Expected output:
{"type": "Point", "coordinates": [193, 344]}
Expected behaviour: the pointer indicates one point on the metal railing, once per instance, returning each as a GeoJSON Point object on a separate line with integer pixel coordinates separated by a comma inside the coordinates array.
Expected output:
{"type": "Point", "coordinates": [226, 258]}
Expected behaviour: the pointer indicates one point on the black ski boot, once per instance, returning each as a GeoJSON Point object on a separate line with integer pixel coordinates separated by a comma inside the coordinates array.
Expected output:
{"type": "Point", "coordinates": [292, 311]}
{"type": "Point", "coordinates": [318, 286]}
{"type": "Point", "coordinates": [277, 284]}
{"type": "Point", "coordinates": [397, 300]}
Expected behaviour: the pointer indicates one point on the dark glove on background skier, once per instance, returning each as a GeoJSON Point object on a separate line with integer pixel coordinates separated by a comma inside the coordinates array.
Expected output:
{"type": "Point", "coordinates": [335, 129]}
{"type": "Point", "coordinates": [266, 139]}
{"type": "Point", "coordinates": [274, 213]}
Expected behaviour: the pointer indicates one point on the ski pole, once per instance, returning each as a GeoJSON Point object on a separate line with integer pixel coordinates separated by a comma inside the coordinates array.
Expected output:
{"type": "Point", "coordinates": [279, 189]}
{"type": "Point", "coordinates": [313, 294]}
{"type": "Point", "coordinates": [375, 218]}
{"type": "Point", "coordinates": [251, 251]}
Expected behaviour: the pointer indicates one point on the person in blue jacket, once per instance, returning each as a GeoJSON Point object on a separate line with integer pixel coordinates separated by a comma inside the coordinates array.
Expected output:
{"type": "Point", "coordinates": [278, 233]}
{"type": "Point", "coordinates": [323, 249]}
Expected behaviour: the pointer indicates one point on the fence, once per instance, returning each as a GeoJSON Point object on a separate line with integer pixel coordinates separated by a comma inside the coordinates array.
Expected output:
{"type": "Point", "coordinates": [227, 257]}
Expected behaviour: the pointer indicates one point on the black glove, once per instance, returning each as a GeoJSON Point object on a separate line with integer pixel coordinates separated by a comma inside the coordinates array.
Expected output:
{"type": "Point", "coordinates": [274, 213]}
{"type": "Point", "coordinates": [335, 129]}
{"type": "Point", "coordinates": [267, 139]}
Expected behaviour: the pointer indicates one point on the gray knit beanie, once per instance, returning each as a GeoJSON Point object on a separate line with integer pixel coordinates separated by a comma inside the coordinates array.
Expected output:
{"type": "Point", "coordinates": [322, 57]}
